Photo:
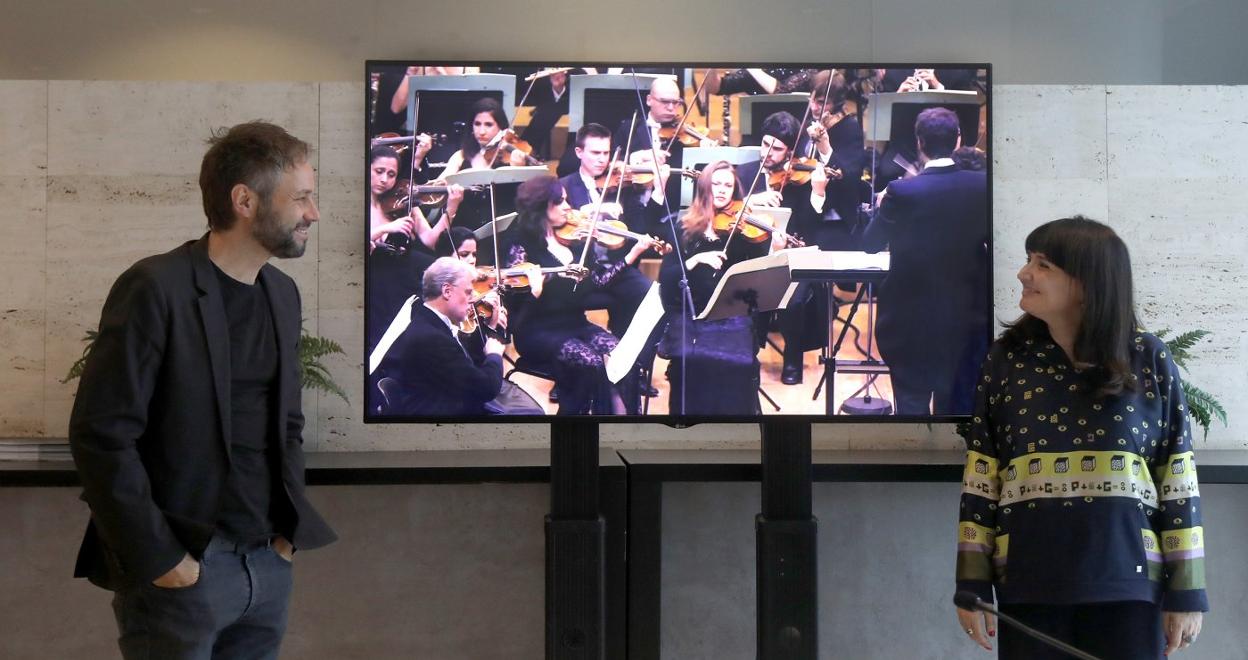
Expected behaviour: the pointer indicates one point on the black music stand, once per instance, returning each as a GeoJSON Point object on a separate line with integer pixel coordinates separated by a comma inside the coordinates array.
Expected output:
{"type": "Point", "coordinates": [754, 285]}
{"type": "Point", "coordinates": [824, 268]}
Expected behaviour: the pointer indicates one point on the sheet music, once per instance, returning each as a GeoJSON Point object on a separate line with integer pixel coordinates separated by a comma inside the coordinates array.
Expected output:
{"type": "Point", "coordinates": [484, 176]}
{"type": "Point", "coordinates": [838, 260]}
{"type": "Point", "coordinates": [621, 360]}
{"type": "Point", "coordinates": [486, 230]}
{"type": "Point", "coordinates": [397, 326]}
{"type": "Point", "coordinates": [760, 274]}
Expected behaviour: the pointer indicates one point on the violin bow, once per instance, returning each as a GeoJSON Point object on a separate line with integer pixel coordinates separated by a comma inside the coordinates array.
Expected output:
{"type": "Point", "coordinates": [681, 124]}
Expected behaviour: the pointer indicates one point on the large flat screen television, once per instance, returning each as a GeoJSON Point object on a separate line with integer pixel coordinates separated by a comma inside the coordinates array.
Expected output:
{"type": "Point", "coordinates": [676, 243]}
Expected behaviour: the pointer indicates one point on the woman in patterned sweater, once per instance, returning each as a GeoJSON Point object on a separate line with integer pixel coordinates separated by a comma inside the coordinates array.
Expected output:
{"type": "Point", "coordinates": [1080, 504]}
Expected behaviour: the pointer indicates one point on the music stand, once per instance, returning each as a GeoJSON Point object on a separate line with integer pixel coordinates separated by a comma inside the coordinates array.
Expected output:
{"type": "Point", "coordinates": [486, 231]}
{"type": "Point", "coordinates": [503, 84]}
{"type": "Point", "coordinates": [877, 122]}
{"type": "Point", "coordinates": [752, 109]}
{"type": "Point", "coordinates": [824, 268]}
{"type": "Point", "coordinates": [580, 84]}
{"type": "Point", "coordinates": [753, 285]}
{"type": "Point", "coordinates": [484, 176]}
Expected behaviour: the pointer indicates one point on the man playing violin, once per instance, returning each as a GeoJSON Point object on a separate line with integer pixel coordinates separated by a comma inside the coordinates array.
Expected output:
{"type": "Point", "coordinates": [834, 138]}
{"type": "Point", "coordinates": [801, 323]}
{"type": "Point", "coordinates": [623, 295]}
{"type": "Point", "coordinates": [593, 151]}
{"type": "Point", "coordinates": [663, 110]}
{"type": "Point", "coordinates": [782, 183]}
{"type": "Point", "coordinates": [437, 370]}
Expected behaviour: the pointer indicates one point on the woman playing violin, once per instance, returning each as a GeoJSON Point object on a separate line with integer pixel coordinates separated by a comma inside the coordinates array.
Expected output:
{"type": "Point", "coordinates": [396, 261]}
{"type": "Point", "coordinates": [488, 121]}
{"type": "Point", "coordinates": [548, 322]}
{"type": "Point", "coordinates": [388, 212]}
{"type": "Point", "coordinates": [713, 365]}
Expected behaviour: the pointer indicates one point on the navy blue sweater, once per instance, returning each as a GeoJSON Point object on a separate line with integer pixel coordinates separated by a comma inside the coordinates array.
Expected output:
{"type": "Point", "coordinates": [1067, 498]}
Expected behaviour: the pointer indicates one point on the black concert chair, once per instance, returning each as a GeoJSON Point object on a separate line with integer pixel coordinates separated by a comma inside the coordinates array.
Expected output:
{"type": "Point", "coordinates": [535, 369]}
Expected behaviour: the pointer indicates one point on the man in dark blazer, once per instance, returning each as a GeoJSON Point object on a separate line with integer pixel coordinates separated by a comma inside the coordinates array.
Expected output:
{"type": "Point", "coordinates": [934, 304]}
{"type": "Point", "coordinates": [435, 373]}
{"type": "Point", "coordinates": [187, 426]}
{"type": "Point", "coordinates": [804, 322]}
{"type": "Point", "coordinates": [664, 104]}
{"type": "Point", "coordinates": [841, 148]}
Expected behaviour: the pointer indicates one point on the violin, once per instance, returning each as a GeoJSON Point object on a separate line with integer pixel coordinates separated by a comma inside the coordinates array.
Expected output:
{"type": "Point", "coordinates": [402, 142]}
{"type": "Point", "coordinates": [516, 278]}
{"type": "Point", "coordinates": [826, 121]}
{"type": "Point", "coordinates": [609, 233]}
{"type": "Point", "coordinates": [691, 135]}
{"type": "Point", "coordinates": [753, 228]}
{"type": "Point", "coordinates": [500, 148]}
{"type": "Point", "coordinates": [395, 201]}
{"type": "Point", "coordinates": [633, 175]}
{"type": "Point", "coordinates": [482, 310]}
{"type": "Point", "coordinates": [799, 171]}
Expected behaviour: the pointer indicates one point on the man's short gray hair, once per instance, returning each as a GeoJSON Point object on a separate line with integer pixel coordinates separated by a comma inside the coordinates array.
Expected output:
{"type": "Point", "coordinates": [443, 271]}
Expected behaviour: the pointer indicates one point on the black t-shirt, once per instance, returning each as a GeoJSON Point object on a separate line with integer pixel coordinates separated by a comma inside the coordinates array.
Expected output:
{"type": "Point", "coordinates": [249, 510]}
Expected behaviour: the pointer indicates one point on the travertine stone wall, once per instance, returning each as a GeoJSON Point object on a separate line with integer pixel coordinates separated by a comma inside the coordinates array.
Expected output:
{"type": "Point", "coordinates": [94, 175]}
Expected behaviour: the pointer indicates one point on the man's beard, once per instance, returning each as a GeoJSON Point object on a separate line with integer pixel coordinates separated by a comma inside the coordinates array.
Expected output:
{"type": "Point", "coordinates": [280, 242]}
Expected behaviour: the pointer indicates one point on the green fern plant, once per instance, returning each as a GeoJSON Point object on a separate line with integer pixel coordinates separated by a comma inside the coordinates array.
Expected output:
{"type": "Point", "coordinates": [75, 369]}
{"type": "Point", "coordinates": [315, 375]}
{"type": "Point", "coordinates": [1201, 405]}
{"type": "Point", "coordinates": [312, 348]}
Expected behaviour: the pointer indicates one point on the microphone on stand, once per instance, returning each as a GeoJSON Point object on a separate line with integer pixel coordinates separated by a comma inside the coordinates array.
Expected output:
{"type": "Point", "coordinates": [972, 603]}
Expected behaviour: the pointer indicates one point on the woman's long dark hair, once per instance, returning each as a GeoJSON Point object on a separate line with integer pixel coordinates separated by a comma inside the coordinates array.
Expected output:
{"type": "Point", "coordinates": [533, 198]}
{"type": "Point", "coordinates": [702, 209]}
{"type": "Point", "coordinates": [1097, 258]}
{"type": "Point", "coordinates": [469, 144]}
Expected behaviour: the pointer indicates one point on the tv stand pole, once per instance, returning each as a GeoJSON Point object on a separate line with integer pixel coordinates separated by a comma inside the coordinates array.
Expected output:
{"type": "Point", "coordinates": [575, 545]}
{"type": "Point", "coordinates": [786, 533]}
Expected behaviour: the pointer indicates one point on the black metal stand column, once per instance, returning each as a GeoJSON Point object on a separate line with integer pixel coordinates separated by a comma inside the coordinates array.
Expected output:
{"type": "Point", "coordinates": [786, 534]}
{"type": "Point", "coordinates": [575, 575]}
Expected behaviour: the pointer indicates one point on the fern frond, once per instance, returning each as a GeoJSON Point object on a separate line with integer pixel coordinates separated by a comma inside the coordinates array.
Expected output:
{"type": "Point", "coordinates": [1203, 407]}
{"type": "Point", "coordinates": [314, 375]}
{"type": "Point", "coordinates": [1181, 345]}
{"type": "Point", "coordinates": [75, 369]}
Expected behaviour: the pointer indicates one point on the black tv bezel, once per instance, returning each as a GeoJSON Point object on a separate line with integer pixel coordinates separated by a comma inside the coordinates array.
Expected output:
{"type": "Point", "coordinates": [677, 421]}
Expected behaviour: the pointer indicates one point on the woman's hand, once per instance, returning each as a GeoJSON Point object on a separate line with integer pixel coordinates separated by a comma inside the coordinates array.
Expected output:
{"type": "Point", "coordinates": [713, 259]}
{"type": "Point", "coordinates": [404, 225]}
{"type": "Point", "coordinates": [536, 282]}
{"type": "Point", "coordinates": [1181, 629]}
{"type": "Point", "coordinates": [638, 249]}
{"type": "Point", "coordinates": [979, 626]}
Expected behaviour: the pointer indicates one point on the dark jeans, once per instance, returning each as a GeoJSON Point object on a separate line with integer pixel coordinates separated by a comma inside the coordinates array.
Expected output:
{"type": "Point", "coordinates": [1123, 630]}
{"type": "Point", "coordinates": [237, 609]}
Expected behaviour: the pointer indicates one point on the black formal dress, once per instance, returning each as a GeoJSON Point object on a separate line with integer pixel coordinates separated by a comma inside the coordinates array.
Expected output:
{"type": "Point", "coordinates": [713, 368]}
{"type": "Point", "coordinates": [552, 332]}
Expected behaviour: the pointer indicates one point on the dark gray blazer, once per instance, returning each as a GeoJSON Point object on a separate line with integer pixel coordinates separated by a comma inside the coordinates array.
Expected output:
{"type": "Point", "coordinates": [150, 429]}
